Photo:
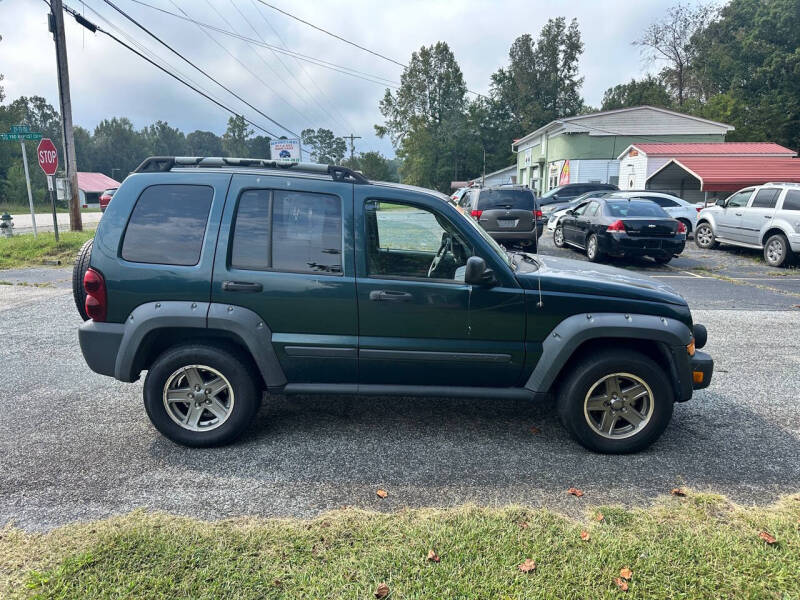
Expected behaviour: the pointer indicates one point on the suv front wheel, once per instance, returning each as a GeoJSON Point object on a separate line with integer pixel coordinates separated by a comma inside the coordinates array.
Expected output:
{"type": "Point", "coordinates": [199, 395]}
{"type": "Point", "coordinates": [616, 403]}
{"type": "Point", "coordinates": [704, 237]}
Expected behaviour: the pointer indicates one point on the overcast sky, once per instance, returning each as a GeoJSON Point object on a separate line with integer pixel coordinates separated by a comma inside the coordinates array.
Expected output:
{"type": "Point", "coordinates": [107, 80]}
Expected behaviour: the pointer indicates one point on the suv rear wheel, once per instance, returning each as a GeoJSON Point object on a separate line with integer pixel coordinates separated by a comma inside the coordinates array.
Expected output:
{"type": "Point", "coordinates": [616, 403]}
{"type": "Point", "coordinates": [199, 395]}
{"type": "Point", "coordinates": [704, 237]}
{"type": "Point", "coordinates": [78, 271]}
{"type": "Point", "coordinates": [776, 250]}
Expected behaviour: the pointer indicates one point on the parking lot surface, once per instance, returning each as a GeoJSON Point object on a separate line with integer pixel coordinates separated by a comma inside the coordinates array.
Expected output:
{"type": "Point", "coordinates": [78, 446]}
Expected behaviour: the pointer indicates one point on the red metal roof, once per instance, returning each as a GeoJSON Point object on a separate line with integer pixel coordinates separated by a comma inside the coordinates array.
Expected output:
{"type": "Point", "coordinates": [715, 149]}
{"type": "Point", "coordinates": [731, 173]}
{"type": "Point", "coordinates": [95, 182]}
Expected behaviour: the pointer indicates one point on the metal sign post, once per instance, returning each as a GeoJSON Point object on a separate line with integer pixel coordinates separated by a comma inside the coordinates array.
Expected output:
{"type": "Point", "coordinates": [20, 133]}
{"type": "Point", "coordinates": [48, 160]}
{"type": "Point", "coordinates": [52, 187]}
{"type": "Point", "coordinates": [28, 183]}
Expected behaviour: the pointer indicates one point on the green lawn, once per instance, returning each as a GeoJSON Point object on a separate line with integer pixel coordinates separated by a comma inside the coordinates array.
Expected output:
{"type": "Point", "coordinates": [698, 546]}
{"type": "Point", "coordinates": [25, 250]}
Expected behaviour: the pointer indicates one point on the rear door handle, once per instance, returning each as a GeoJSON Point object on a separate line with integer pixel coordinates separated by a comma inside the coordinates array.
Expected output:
{"type": "Point", "coordinates": [738, 214]}
{"type": "Point", "coordinates": [767, 217]}
{"type": "Point", "coordinates": [241, 286]}
{"type": "Point", "coordinates": [389, 296]}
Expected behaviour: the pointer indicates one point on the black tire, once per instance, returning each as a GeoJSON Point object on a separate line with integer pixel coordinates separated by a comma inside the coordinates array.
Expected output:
{"type": "Point", "coordinates": [78, 271]}
{"type": "Point", "coordinates": [662, 260]}
{"type": "Point", "coordinates": [574, 389]}
{"type": "Point", "coordinates": [558, 234]}
{"type": "Point", "coordinates": [232, 365]}
{"type": "Point", "coordinates": [593, 252]}
{"type": "Point", "coordinates": [777, 252]}
{"type": "Point", "coordinates": [704, 237]}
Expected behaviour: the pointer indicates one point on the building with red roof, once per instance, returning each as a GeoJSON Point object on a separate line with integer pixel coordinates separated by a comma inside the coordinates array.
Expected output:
{"type": "Point", "coordinates": [91, 185]}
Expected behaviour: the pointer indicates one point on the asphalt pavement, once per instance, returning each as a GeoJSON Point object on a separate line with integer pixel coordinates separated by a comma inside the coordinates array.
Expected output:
{"type": "Point", "coordinates": [76, 446]}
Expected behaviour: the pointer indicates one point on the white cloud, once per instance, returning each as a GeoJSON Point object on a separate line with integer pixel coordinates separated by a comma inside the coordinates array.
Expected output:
{"type": "Point", "coordinates": [108, 80]}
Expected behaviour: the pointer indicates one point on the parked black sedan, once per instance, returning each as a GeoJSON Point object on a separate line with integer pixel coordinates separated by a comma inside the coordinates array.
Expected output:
{"type": "Point", "coordinates": [621, 227]}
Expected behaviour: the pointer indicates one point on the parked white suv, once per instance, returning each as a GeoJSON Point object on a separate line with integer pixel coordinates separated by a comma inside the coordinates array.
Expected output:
{"type": "Point", "coordinates": [765, 217]}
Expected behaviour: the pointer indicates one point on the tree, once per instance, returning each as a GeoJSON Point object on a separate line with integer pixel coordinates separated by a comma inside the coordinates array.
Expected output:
{"type": "Point", "coordinates": [118, 147]}
{"type": "Point", "coordinates": [163, 140]}
{"type": "Point", "coordinates": [2, 91]}
{"type": "Point", "coordinates": [668, 40]}
{"type": "Point", "coordinates": [234, 140]}
{"type": "Point", "coordinates": [326, 148]}
{"type": "Point", "coordinates": [541, 81]}
{"type": "Point", "coordinates": [426, 116]}
{"type": "Point", "coordinates": [647, 91]}
{"type": "Point", "coordinates": [204, 143]}
{"type": "Point", "coordinates": [258, 147]}
{"type": "Point", "coordinates": [373, 165]}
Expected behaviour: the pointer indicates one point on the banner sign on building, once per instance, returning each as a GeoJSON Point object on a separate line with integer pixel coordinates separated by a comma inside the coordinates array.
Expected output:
{"type": "Point", "coordinates": [286, 150]}
{"type": "Point", "coordinates": [564, 177]}
{"type": "Point", "coordinates": [526, 160]}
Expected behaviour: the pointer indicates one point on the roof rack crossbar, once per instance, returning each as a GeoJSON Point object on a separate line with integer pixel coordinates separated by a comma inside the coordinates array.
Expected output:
{"type": "Point", "coordinates": [167, 163]}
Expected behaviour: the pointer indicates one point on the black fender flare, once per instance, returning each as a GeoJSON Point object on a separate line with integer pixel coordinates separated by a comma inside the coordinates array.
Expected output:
{"type": "Point", "coordinates": [562, 342]}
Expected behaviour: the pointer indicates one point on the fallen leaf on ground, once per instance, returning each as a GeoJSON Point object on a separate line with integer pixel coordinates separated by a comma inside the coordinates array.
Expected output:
{"type": "Point", "coordinates": [767, 537]}
{"type": "Point", "coordinates": [585, 536]}
{"type": "Point", "coordinates": [528, 566]}
{"type": "Point", "coordinates": [678, 492]}
{"type": "Point", "coordinates": [382, 493]}
{"type": "Point", "coordinates": [523, 524]}
{"type": "Point", "coordinates": [621, 584]}
{"type": "Point", "coordinates": [432, 556]}
{"type": "Point", "coordinates": [575, 492]}
{"type": "Point", "coordinates": [382, 590]}
{"type": "Point", "coordinates": [626, 573]}
{"type": "Point", "coordinates": [535, 430]}
{"type": "Point", "coordinates": [600, 516]}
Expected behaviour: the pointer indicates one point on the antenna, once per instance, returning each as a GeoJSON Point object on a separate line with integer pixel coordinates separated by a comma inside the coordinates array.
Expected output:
{"type": "Point", "coordinates": [536, 212]}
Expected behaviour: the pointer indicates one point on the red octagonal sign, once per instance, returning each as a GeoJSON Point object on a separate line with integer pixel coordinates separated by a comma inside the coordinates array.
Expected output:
{"type": "Point", "coordinates": [48, 156]}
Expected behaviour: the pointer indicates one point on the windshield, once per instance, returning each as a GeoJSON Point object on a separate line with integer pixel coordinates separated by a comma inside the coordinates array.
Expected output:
{"type": "Point", "coordinates": [518, 199]}
{"type": "Point", "coordinates": [634, 208]}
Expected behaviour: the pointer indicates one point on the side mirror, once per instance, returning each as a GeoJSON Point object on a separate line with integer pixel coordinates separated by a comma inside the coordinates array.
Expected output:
{"type": "Point", "coordinates": [477, 273]}
{"type": "Point", "coordinates": [721, 202]}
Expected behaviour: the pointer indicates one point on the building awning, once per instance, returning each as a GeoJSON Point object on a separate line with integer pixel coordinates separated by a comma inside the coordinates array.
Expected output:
{"type": "Point", "coordinates": [95, 182]}
{"type": "Point", "coordinates": [731, 173]}
{"type": "Point", "coordinates": [710, 149]}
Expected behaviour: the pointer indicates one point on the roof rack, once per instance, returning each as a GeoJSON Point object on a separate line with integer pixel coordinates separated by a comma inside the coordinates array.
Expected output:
{"type": "Point", "coordinates": [155, 164]}
{"type": "Point", "coordinates": [781, 183]}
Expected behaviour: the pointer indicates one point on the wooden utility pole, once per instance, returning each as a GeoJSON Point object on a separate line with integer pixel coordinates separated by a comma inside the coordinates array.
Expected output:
{"type": "Point", "coordinates": [352, 137]}
{"type": "Point", "coordinates": [57, 28]}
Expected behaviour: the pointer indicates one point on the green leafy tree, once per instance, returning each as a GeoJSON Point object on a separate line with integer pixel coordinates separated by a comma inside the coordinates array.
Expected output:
{"type": "Point", "coordinates": [204, 143]}
{"type": "Point", "coordinates": [234, 140]}
{"type": "Point", "coordinates": [373, 165]}
{"type": "Point", "coordinates": [2, 91]}
{"type": "Point", "coordinates": [163, 140]}
{"type": "Point", "coordinates": [541, 81]}
{"type": "Point", "coordinates": [258, 147]}
{"type": "Point", "coordinates": [646, 91]}
{"type": "Point", "coordinates": [426, 117]}
{"type": "Point", "coordinates": [326, 148]}
{"type": "Point", "coordinates": [668, 41]}
{"type": "Point", "coordinates": [117, 147]}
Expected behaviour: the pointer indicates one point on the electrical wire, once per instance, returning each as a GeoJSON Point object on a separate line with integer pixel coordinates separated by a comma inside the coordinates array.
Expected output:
{"type": "Point", "coordinates": [201, 70]}
{"type": "Point", "coordinates": [141, 55]}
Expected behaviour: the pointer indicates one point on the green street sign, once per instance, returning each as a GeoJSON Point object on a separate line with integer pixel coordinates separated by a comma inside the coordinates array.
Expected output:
{"type": "Point", "coordinates": [20, 137]}
{"type": "Point", "coordinates": [20, 129]}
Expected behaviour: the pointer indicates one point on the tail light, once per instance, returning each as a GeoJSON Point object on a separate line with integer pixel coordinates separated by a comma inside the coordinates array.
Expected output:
{"type": "Point", "coordinates": [681, 227]}
{"type": "Point", "coordinates": [96, 304]}
{"type": "Point", "coordinates": [616, 226]}
{"type": "Point", "coordinates": [476, 213]}
{"type": "Point", "coordinates": [537, 214]}
{"type": "Point", "coordinates": [699, 208]}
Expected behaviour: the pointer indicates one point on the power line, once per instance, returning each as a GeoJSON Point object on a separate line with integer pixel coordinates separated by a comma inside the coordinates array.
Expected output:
{"type": "Point", "coordinates": [338, 37]}
{"type": "Point", "coordinates": [382, 81]}
{"type": "Point", "coordinates": [189, 62]}
{"type": "Point", "coordinates": [165, 70]}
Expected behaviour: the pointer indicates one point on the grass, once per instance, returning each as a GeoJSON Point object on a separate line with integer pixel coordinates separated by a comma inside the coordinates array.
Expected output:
{"type": "Point", "coordinates": [698, 546]}
{"type": "Point", "coordinates": [25, 250]}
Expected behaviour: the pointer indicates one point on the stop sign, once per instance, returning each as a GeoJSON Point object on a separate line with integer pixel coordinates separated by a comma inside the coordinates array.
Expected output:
{"type": "Point", "coordinates": [48, 156]}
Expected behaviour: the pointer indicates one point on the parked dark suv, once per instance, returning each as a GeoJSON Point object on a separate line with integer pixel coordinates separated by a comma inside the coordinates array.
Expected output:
{"type": "Point", "coordinates": [226, 279]}
{"type": "Point", "coordinates": [509, 214]}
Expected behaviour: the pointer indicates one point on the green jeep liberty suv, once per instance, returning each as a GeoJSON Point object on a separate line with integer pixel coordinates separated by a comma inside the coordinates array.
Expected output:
{"type": "Point", "coordinates": [226, 279]}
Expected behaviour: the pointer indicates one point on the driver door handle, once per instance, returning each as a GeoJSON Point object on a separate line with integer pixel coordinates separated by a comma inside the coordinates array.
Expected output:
{"type": "Point", "coordinates": [738, 214]}
{"type": "Point", "coordinates": [389, 296]}
{"type": "Point", "coordinates": [241, 286]}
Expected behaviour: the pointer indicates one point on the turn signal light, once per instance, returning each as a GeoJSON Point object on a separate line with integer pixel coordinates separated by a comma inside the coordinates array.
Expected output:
{"type": "Point", "coordinates": [681, 227]}
{"type": "Point", "coordinates": [616, 226]}
{"type": "Point", "coordinates": [697, 376]}
{"type": "Point", "coordinates": [476, 213]}
{"type": "Point", "coordinates": [95, 286]}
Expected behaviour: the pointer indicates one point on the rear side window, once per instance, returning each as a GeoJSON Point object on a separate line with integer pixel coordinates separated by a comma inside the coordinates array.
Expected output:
{"type": "Point", "coordinates": [515, 199]}
{"type": "Point", "coordinates": [792, 200]}
{"type": "Point", "coordinates": [634, 208]}
{"type": "Point", "coordinates": [766, 198]}
{"type": "Point", "coordinates": [168, 225]}
{"type": "Point", "coordinates": [662, 202]}
{"type": "Point", "coordinates": [288, 231]}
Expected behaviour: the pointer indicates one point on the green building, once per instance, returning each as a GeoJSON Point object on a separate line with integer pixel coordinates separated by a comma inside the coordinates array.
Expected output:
{"type": "Point", "coordinates": [585, 148]}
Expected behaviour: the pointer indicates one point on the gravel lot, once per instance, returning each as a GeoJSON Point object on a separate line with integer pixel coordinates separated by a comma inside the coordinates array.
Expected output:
{"type": "Point", "coordinates": [76, 445]}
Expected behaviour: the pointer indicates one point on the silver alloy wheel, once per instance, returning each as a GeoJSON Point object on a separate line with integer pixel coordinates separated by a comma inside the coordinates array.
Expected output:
{"type": "Point", "coordinates": [775, 251]}
{"type": "Point", "coordinates": [591, 247]}
{"type": "Point", "coordinates": [198, 398]}
{"type": "Point", "coordinates": [704, 236]}
{"type": "Point", "coordinates": [558, 236]}
{"type": "Point", "coordinates": [618, 405]}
